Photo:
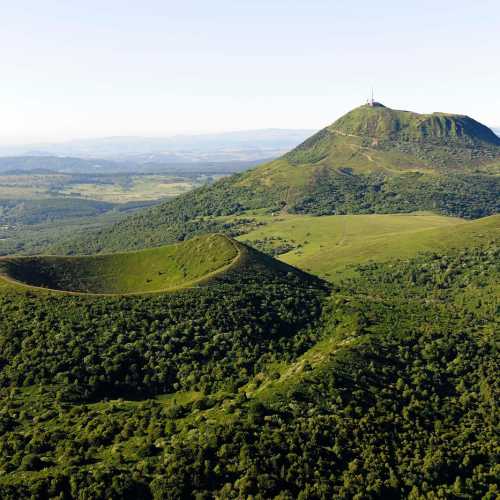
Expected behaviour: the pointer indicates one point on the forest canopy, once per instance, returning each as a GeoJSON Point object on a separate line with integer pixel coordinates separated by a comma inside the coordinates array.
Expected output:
{"type": "Point", "coordinates": [386, 386]}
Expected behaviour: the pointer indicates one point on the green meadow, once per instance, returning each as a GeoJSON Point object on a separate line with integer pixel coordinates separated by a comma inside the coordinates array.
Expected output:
{"type": "Point", "coordinates": [329, 246]}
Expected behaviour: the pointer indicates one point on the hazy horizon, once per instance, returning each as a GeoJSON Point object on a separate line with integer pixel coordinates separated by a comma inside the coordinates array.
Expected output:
{"type": "Point", "coordinates": [94, 70]}
{"type": "Point", "coordinates": [62, 141]}
{"type": "Point", "coordinates": [157, 136]}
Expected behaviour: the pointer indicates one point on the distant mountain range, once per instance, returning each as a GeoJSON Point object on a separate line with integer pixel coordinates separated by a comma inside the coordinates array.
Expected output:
{"type": "Point", "coordinates": [46, 165]}
{"type": "Point", "coordinates": [227, 146]}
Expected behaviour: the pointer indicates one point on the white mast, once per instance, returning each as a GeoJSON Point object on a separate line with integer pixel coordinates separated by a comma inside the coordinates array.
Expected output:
{"type": "Point", "coordinates": [371, 101]}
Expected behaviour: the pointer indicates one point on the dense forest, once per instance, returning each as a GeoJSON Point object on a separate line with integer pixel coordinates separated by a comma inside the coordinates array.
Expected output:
{"type": "Point", "coordinates": [267, 385]}
{"type": "Point", "coordinates": [151, 344]}
{"type": "Point", "coordinates": [19, 212]}
{"type": "Point", "coordinates": [469, 196]}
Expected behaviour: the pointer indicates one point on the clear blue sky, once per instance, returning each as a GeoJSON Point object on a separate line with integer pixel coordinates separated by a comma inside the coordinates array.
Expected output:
{"type": "Point", "coordinates": [91, 68]}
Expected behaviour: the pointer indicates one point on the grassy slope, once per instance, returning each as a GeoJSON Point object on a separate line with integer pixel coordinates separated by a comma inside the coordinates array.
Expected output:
{"type": "Point", "coordinates": [149, 270]}
{"type": "Point", "coordinates": [380, 141]}
{"type": "Point", "coordinates": [332, 243]}
{"type": "Point", "coordinates": [390, 141]}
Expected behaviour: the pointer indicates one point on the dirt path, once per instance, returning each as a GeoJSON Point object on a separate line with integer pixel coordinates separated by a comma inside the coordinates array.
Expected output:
{"type": "Point", "coordinates": [297, 367]}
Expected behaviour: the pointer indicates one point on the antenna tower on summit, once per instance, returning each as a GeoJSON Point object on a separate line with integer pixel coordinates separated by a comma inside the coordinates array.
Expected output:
{"type": "Point", "coordinates": [371, 100]}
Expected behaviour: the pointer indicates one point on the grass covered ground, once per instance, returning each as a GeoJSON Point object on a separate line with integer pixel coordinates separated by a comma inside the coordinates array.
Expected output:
{"type": "Point", "coordinates": [134, 188]}
{"type": "Point", "coordinates": [327, 246]}
{"type": "Point", "coordinates": [150, 270]}
{"type": "Point", "coordinates": [111, 188]}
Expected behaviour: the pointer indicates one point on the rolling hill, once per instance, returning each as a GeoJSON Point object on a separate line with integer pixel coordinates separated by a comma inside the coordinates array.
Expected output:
{"type": "Point", "coordinates": [188, 264]}
{"type": "Point", "coordinates": [372, 160]}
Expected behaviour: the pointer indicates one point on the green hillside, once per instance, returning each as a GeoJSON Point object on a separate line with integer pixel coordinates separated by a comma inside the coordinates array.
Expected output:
{"type": "Point", "coordinates": [329, 246]}
{"type": "Point", "coordinates": [99, 345]}
{"type": "Point", "coordinates": [372, 160]}
{"type": "Point", "coordinates": [200, 261]}
{"type": "Point", "coordinates": [258, 386]}
{"type": "Point", "coordinates": [380, 160]}
{"type": "Point", "coordinates": [377, 137]}
{"type": "Point", "coordinates": [251, 377]}
{"type": "Point", "coordinates": [149, 270]}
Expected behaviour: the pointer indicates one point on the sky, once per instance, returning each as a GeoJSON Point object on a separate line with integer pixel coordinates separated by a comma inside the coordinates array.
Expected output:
{"type": "Point", "coordinates": [74, 68]}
